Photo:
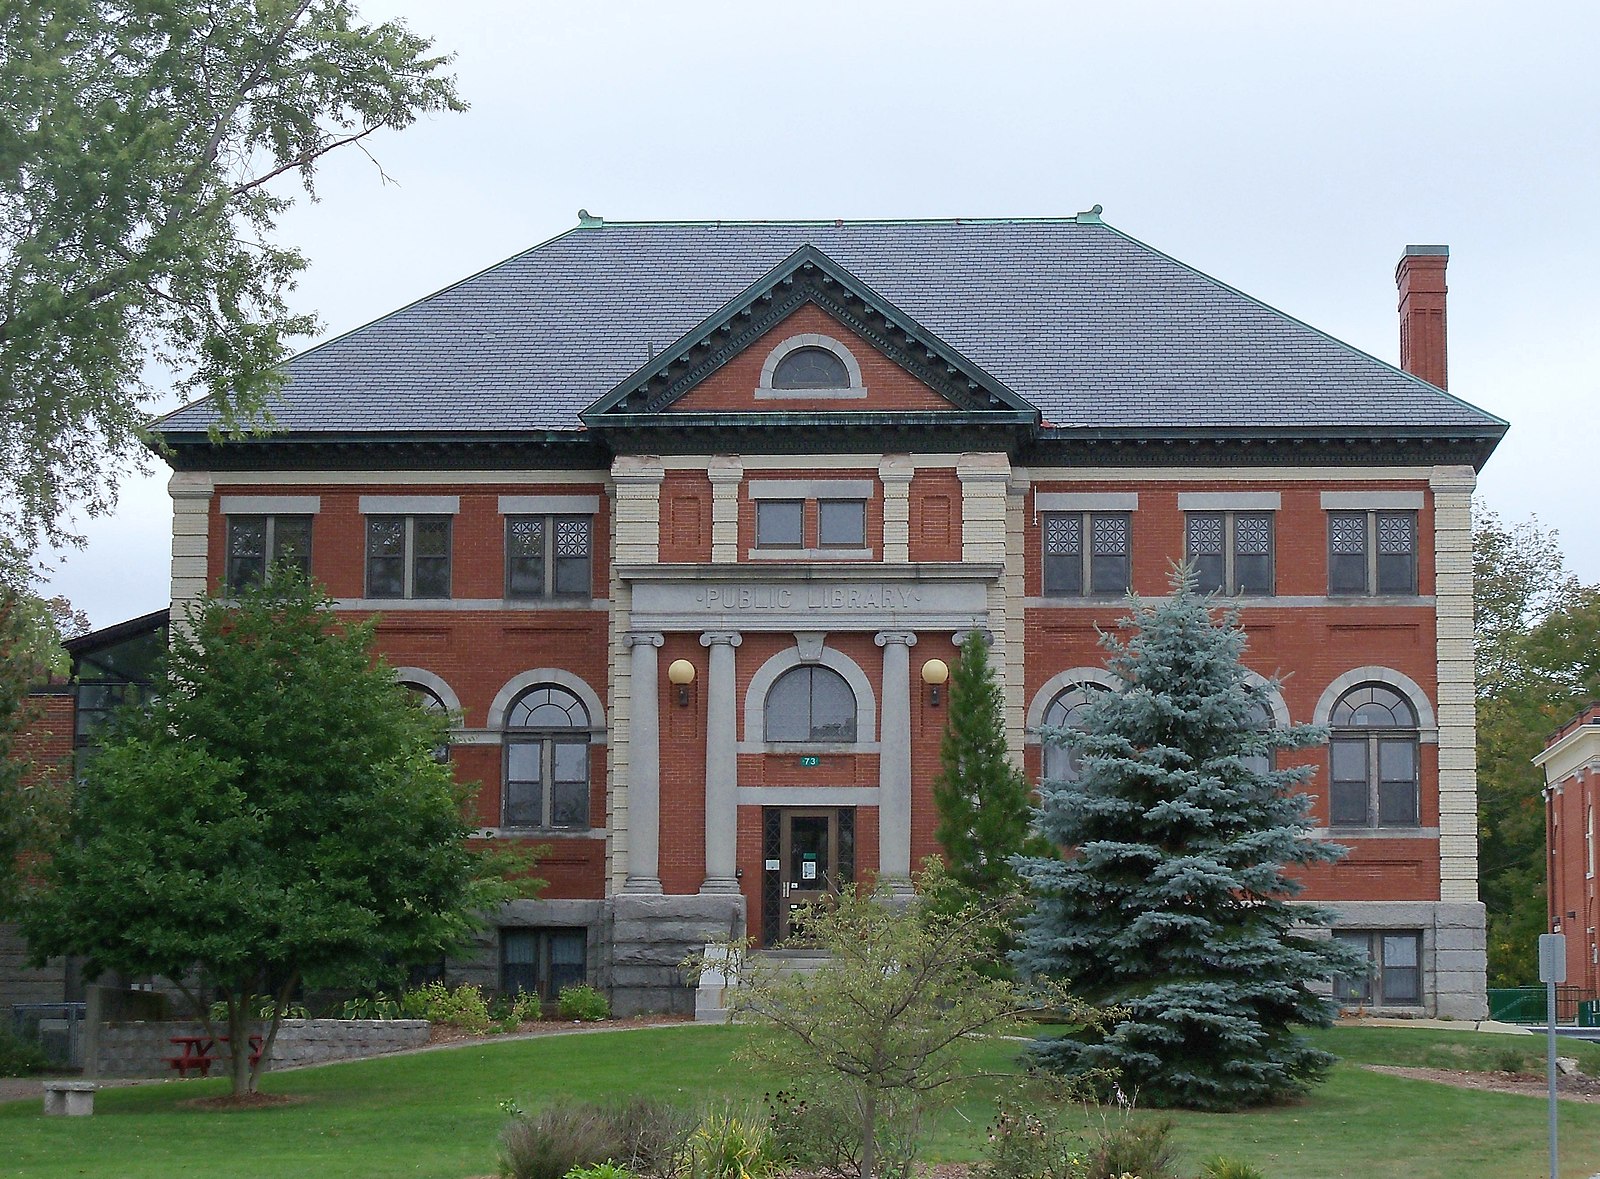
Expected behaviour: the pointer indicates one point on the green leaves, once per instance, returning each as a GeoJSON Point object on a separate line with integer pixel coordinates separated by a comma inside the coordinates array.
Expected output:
{"type": "Point", "coordinates": [275, 812]}
{"type": "Point", "coordinates": [144, 152]}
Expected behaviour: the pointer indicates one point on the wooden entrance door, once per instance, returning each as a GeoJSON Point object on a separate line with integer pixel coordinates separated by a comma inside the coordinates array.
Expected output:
{"type": "Point", "coordinates": [808, 857]}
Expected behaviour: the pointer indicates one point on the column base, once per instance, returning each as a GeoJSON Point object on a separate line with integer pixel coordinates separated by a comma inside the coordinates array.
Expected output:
{"type": "Point", "coordinates": [642, 886]}
{"type": "Point", "coordinates": [899, 888]}
{"type": "Point", "coordinates": [719, 886]}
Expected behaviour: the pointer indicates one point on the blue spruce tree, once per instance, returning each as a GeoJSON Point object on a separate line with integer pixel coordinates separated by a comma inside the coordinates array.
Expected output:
{"type": "Point", "coordinates": [1173, 903]}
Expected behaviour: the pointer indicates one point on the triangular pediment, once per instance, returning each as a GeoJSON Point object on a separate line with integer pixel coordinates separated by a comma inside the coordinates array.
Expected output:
{"type": "Point", "coordinates": [807, 290]}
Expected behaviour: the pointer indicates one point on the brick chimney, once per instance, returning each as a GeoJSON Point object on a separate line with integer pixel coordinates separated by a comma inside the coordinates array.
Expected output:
{"type": "Point", "coordinates": [1420, 277]}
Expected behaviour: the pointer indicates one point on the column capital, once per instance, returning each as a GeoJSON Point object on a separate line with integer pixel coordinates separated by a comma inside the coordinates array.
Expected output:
{"type": "Point", "coordinates": [1458, 479]}
{"type": "Point", "coordinates": [902, 638]}
{"type": "Point", "coordinates": [724, 469]}
{"type": "Point", "coordinates": [896, 469]}
{"type": "Point", "coordinates": [640, 638]}
{"type": "Point", "coordinates": [959, 638]}
{"type": "Point", "coordinates": [721, 638]}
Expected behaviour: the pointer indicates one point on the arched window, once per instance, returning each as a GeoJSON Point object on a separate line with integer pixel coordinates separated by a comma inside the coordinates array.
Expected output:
{"type": "Point", "coordinates": [1063, 764]}
{"type": "Point", "coordinates": [546, 760]}
{"type": "Point", "coordinates": [1373, 758]}
{"type": "Point", "coordinates": [811, 367]}
{"type": "Point", "coordinates": [1260, 718]}
{"type": "Point", "coordinates": [428, 700]}
{"type": "Point", "coordinates": [810, 704]}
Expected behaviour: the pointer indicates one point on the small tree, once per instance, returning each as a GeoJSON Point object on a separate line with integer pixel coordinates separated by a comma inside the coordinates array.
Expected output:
{"type": "Point", "coordinates": [984, 802]}
{"type": "Point", "coordinates": [885, 1015]}
{"type": "Point", "coordinates": [274, 816]}
{"type": "Point", "coordinates": [1174, 902]}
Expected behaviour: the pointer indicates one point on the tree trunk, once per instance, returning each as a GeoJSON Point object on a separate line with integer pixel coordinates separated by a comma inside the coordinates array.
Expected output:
{"type": "Point", "coordinates": [244, 1081]}
{"type": "Point", "coordinates": [869, 1133]}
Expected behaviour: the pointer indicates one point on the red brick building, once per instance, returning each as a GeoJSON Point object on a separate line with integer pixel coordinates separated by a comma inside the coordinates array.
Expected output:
{"type": "Point", "coordinates": [682, 521]}
{"type": "Point", "coordinates": [1571, 764]}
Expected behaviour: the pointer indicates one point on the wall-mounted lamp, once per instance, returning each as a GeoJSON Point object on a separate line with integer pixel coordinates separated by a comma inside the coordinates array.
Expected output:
{"type": "Point", "coordinates": [681, 673]}
{"type": "Point", "coordinates": [935, 673]}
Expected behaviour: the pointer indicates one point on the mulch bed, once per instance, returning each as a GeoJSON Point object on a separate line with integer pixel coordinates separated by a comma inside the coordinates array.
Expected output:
{"type": "Point", "coordinates": [230, 1104]}
{"type": "Point", "coordinates": [1574, 1088]}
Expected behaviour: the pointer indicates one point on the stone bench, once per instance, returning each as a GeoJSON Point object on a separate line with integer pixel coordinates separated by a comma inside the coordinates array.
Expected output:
{"type": "Point", "coordinates": [73, 1099]}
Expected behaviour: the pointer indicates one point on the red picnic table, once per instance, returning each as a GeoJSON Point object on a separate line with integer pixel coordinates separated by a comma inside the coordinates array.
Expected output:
{"type": "Point", "coordinates": [196, 1052]}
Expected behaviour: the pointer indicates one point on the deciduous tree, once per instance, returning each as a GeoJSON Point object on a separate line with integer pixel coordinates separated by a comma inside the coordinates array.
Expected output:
{"type": "Point", "coordinates": [149, 149]}
{"type": "Point", "coordinates": [1173, 900]}
{"type": "Point", "coordinates": [275, 815]}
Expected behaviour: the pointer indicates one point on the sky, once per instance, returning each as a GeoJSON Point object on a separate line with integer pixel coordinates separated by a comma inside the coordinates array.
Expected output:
{"type": "Point", "coordinates": [1291, 150]}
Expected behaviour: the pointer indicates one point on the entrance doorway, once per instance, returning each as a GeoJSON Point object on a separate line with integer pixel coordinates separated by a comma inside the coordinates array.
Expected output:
{"type": "Point", "coordinates": [809, 855]}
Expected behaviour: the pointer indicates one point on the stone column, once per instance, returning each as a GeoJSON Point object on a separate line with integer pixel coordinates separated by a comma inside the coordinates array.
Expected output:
{"type": "Point", "coordinates": [894, 761]}
{"type": "Point", "coordinates": [722, 765]}
{"type": "Point", "coordinates": [644, 766]}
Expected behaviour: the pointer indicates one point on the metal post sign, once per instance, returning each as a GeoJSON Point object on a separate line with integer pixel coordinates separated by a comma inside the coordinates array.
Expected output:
{"type": "Point", "coordinates": [1552, 970]}
{"type": "Point", "coordinates": [1552, 958]}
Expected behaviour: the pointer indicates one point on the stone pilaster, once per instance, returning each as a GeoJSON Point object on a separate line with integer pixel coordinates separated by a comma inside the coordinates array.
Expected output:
{"type": "Point", "coordinates": [895, 473]}
{"type": "Point", "coordinates": [1015, 620]}
{"type": "Point", "coordinates": [726, 473]}
{"type": "Point", "coordinates": [191, 530]}
{"type": "Point", "coordinates": [894, 761]}
{"type": "Point", "coordinates": [635, 540]}
{"type": "Point", "coordinates": [644, 765]}
{"type": "Point", "coordinates": [985, 526]}
{"type": "Point", "coordinates": [722, 765]}
{"type": "Point", "coordinates": [1458, 782]}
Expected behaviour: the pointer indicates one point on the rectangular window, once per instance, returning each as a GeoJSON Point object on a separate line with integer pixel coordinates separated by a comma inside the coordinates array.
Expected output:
{"type": "Point", "coordinates": [547, 783]}
{"type": "Point", "coordinates": [841, 523]}
{"type": "Point", "coordinates": [1087, 554]}
{"type": "Point", "coordinates": [542, 961]}
{"type": "Point", "coordinates": [780, 524]}
{"type": "Point", "coordinates": [548, 556]}
{"type": "Point", "coordinates": [408, 556]}
{"type": "Point", "coordinates": [1394, 968]}
{"type": "Point", "coordinates": [1372, 552]}
{"type": "Point", "coordinates": [257, 543]}
{"type": "Point", "coordinates": [1232, 552]}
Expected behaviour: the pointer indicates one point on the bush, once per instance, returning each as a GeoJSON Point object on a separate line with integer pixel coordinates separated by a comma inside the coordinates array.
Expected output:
{"type": "Point", "coordinates": [581, 1001]}
{"type": "Point", "coordinates": [555, 1141]}
{"type": "Point", "coordinates": [814, 1129]}
{"type": "Point", "coordinates": [1143, 1149]}
{"type": "Point", "coordinates": [19, 1057]}
{"type": "Point", "coordinates": [369, 1007]}
{"type": "Point", "coordinates": [600, 1171]}
{"type": "Point", "coordinates": [1031, 1143]}
{"type": "Point", "coordinates": [1222, 1167]}
{"type": "Point", "coordinates": [653, 1136]}
{"type": "Point", "coordinates": [463, 1007]}
{"type": "Point", "coordinates": [729, 1144]}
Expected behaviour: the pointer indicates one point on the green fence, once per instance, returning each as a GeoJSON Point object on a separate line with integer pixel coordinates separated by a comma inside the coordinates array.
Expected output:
{"type": "Point", "coordinates": [1527, 1004]}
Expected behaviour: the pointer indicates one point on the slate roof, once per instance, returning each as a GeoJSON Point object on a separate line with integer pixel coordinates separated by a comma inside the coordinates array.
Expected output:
{"type": "Point", "coordinates": [1094, 328]}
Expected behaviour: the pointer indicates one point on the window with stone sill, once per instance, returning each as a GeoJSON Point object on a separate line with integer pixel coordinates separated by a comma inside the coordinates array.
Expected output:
{"type": "Point", "coordinates": [546, 768]}
{"type": "Point", "coordinates": [540, 962]}
{"type": "Point", "coordinates": [1372, 552]}
{"type": "Point", "coordinates": [257, 543]}
{"type": "Point", "coordinates": [1393, 977]}
{"type": "Point", "coordinates": [1230, 552]}
{"type": "Point", "coordinates": [1087, 554]}
{"type": "Point", "coordinates": [548, 557]}
{"type": "Point", "coordinates": [841, 524]}
{"type": "Point", "coordinates": [809, 705]}
{"type": "Point", "coordinates": [1373, 759]}
{"type": "Point", "coordinates": [408, 556]}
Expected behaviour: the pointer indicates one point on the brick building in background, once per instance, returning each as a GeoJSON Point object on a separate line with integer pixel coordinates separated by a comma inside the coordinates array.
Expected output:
{"type": "Point", "coordinates": [1571, 764]}
{"type": "Point", "coordinates": [682, 522]}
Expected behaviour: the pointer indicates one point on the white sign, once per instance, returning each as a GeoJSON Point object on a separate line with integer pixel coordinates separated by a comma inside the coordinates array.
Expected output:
{"type": "Point", "coordinates": [808, 871]}
{"type": "Point", "coordinates": [1552, 958]}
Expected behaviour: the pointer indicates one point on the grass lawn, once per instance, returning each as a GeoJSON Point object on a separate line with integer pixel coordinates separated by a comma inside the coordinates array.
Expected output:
{"type": "Point", "coordinates": [436, 1114]}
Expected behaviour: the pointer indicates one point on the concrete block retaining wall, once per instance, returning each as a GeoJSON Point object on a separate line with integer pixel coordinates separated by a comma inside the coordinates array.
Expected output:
{"type": "Point", "coordinates": [141, 1049]}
